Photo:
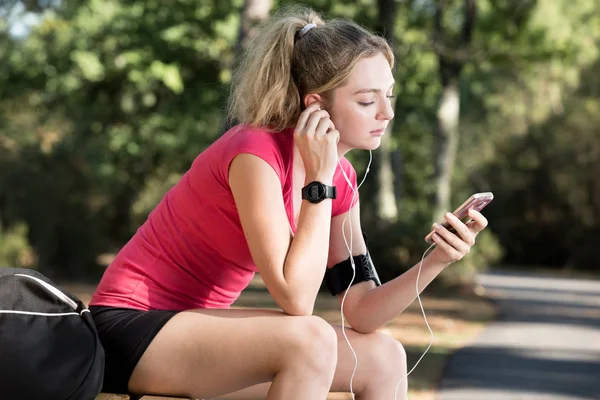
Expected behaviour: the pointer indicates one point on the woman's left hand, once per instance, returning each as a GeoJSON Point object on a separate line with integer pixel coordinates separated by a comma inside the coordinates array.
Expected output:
{"type": "Point", "coordinates": [452, 247]}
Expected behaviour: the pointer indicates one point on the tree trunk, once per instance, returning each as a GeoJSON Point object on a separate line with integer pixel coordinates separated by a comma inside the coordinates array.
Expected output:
{"type": "Point", "coordinates": [254, 12]}
{"type": "Point", "coordinates": [387, 209]}
{"type": "Point", "coordinates": [447, 135]}
{"type": "Point", "coordinates": [448, 115]}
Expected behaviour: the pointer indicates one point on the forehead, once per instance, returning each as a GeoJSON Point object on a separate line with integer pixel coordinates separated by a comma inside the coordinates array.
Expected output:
{"type": "Point", "coordinates": [372, 72]}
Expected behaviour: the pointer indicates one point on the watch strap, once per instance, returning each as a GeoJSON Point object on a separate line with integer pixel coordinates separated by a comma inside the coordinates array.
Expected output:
{"type": "Point", "coordinates": [329, 192]}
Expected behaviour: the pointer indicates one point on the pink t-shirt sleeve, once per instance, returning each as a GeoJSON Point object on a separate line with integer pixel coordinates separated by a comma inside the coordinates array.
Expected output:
{"type": "Point", "coordinates": [347, 196]}
{"type": "Point", "coordinates": [256, 142]}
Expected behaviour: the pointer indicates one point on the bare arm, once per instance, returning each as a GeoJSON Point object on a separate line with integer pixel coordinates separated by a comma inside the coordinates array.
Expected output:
{"type": "Point", "coordinates": [292, 270]}
{"type": "Point", "coordinates": [367, 307]}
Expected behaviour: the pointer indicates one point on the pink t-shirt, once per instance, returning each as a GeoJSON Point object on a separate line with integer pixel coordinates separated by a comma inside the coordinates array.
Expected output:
{"type": "Point", "coordinates": [191, 251]}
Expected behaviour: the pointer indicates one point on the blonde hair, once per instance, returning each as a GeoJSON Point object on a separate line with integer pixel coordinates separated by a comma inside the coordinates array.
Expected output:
{"type": "Point", "coordinates": [279, 66]}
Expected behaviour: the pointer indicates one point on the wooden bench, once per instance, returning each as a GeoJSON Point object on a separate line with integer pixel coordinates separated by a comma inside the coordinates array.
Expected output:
{"type": "Point", "coordinates": [108, 396]}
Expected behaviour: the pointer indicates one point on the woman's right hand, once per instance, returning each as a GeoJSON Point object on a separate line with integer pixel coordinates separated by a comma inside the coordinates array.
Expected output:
{"type": "Point", "coordinates": [316, 138]}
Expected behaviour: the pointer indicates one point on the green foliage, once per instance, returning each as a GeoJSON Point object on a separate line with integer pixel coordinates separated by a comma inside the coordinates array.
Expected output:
{"type": "Point", "coordinates": [15, 250]}
{"type": "Point", "coordinates": [105, 103]}
{"type": "Point", "coordinates": [527, 126]}
{"type": "Point", "coordinates": [549, 183]}
{"type": "Point", "coordinates": [109, 95]}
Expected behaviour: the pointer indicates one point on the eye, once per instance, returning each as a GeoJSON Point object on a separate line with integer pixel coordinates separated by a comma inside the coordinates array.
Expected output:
{"type": "Point", "coordinates": [391, 97]}
{"type": "Point", "coordinates": [366, 104]}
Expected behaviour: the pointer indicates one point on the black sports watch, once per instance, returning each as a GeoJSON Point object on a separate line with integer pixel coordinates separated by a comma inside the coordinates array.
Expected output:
{"type": "Point", "coordinates": [316, 192]}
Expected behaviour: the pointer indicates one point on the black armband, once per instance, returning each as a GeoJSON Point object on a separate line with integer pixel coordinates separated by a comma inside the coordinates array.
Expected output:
{"type": "Point", "coordinates": [338, 277]}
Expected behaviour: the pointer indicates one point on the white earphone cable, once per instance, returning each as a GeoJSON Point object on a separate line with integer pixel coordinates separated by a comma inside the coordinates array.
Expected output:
{"type": "Point", "coordinates": [426, 323]}
{"type": "Point", "coordinates": [349, 247]}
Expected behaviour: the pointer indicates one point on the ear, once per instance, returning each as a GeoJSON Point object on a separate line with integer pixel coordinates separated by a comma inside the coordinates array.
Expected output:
{"type": "Point", "coordinates": [312, 98]}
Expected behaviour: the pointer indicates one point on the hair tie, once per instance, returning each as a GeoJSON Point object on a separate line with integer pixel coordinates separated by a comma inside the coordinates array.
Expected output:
{"type": "Point", "coordinates": [306, 28]}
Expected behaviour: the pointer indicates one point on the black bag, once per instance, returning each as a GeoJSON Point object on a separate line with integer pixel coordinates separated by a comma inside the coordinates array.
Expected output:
{"type": "Point", "coordinates": [49, 346]}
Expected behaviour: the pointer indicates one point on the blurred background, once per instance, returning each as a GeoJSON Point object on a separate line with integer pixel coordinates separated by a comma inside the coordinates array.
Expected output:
{"type": "Point", "coordinates": [105, 103]}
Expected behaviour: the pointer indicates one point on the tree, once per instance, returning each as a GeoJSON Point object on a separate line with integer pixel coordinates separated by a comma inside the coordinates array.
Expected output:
{"type": "Point", "coordinates": [253, 13]}
{"type": "Point", "coordinates": [386, 202]}
{"type": "Point", "coordinates": [134, 92]}
{"type": "Point", "coordinates": [450, 67]}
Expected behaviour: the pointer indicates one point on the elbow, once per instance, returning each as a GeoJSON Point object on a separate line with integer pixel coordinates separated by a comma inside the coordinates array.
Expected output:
{"type": "Point", "coordinates": [298, 306]}
{"type": "Point", "coordinates": [360, 325]}
{"type": "Point", "coordinates": [298, 309]}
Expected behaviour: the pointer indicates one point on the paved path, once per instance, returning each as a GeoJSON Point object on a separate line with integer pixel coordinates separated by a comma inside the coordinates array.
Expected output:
{"type": "Point", "coordinates": [545, 344]}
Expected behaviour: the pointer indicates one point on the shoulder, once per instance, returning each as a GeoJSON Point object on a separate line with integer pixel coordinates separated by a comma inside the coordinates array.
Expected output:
{"type": "Point", "coordinates": [346, 165]}
{"type": "Point", "coordinates": [276, 148]}
{"type": "Point", "coordinates": [271, 146]}
{"type": "Point", "coordinates": [243, 135]}
{"type": "Point", "coordinates": [345, 172]}
{"type": "Point", "coordinates": [344, 180]}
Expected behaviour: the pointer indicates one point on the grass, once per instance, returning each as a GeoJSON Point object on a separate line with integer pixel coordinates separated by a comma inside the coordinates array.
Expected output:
{"type": "Point", "coordinates": [456, 319]}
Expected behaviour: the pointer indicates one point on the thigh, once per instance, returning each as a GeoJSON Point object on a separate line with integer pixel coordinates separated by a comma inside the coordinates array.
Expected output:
{"type": "Point", "coordinates": [125, 335]}
{"type": "Point", "coordinates": [209, 352]}
{"type": "Point", "coordinates": [374, 352]}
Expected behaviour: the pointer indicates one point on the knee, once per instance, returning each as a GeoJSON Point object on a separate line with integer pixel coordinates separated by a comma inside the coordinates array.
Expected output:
{"type": "Point", "coordinates": [388, 357]}
{"type": "Point", "coordinates": [312, 342]}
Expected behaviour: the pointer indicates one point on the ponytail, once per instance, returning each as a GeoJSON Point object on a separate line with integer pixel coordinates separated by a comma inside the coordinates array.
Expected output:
{"type": "Point", "coordinates": [279, 66]}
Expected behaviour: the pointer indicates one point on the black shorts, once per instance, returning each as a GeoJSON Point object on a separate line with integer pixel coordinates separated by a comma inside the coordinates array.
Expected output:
{"type": "Point", "coordinates": [125, 335]}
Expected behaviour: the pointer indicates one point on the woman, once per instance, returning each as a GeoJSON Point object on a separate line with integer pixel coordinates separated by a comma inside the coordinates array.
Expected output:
{"type": "Point", "coordinates": [306, 93]}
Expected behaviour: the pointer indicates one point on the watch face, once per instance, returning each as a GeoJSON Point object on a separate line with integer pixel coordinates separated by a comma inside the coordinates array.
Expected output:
{"type": "Point", "coordinates": [315, 191]}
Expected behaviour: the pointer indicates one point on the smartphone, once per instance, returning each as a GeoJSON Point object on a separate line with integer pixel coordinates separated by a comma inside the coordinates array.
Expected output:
{"type": "Point", "coordinates": [476, 202]}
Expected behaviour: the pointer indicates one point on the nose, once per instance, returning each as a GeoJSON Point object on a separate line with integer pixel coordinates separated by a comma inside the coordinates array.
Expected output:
{"type": "Point", "coordinates": [386, 111]}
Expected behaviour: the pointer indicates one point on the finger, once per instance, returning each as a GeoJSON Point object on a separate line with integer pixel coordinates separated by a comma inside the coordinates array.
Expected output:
{"type": "Point", "coordinates": [452, 253]}
{"type": "Point", "coordinates": [452, 239]}
{"type": "Point", "coordinates": [314, 120]}
{"type": "Point", "coordinates": [480, 221]}
{"type": "Point", "coordinates": [333, 136]}
{"type": "Point", "coordinates": [461, 229]}
{"type": "Point", "coordinates": [304, 115]}
{"type": "Point", "coordinates": [472, 225]}
{"type": "Point", "coordinates": [303, 119]}
{"type": "Point", "coordinates": [323, 127]}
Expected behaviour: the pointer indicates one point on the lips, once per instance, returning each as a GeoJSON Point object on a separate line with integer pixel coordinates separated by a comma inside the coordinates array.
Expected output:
{"type": "Point", "coordinates": [378, 132]}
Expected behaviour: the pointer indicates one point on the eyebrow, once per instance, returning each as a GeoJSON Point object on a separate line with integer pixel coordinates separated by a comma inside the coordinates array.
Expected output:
{"type": "Point", "coordinates": [372, 90]}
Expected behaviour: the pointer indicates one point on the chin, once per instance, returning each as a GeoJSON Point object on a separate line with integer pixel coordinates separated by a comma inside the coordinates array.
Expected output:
{"type": "Point", "coordinates": [372, 144]}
